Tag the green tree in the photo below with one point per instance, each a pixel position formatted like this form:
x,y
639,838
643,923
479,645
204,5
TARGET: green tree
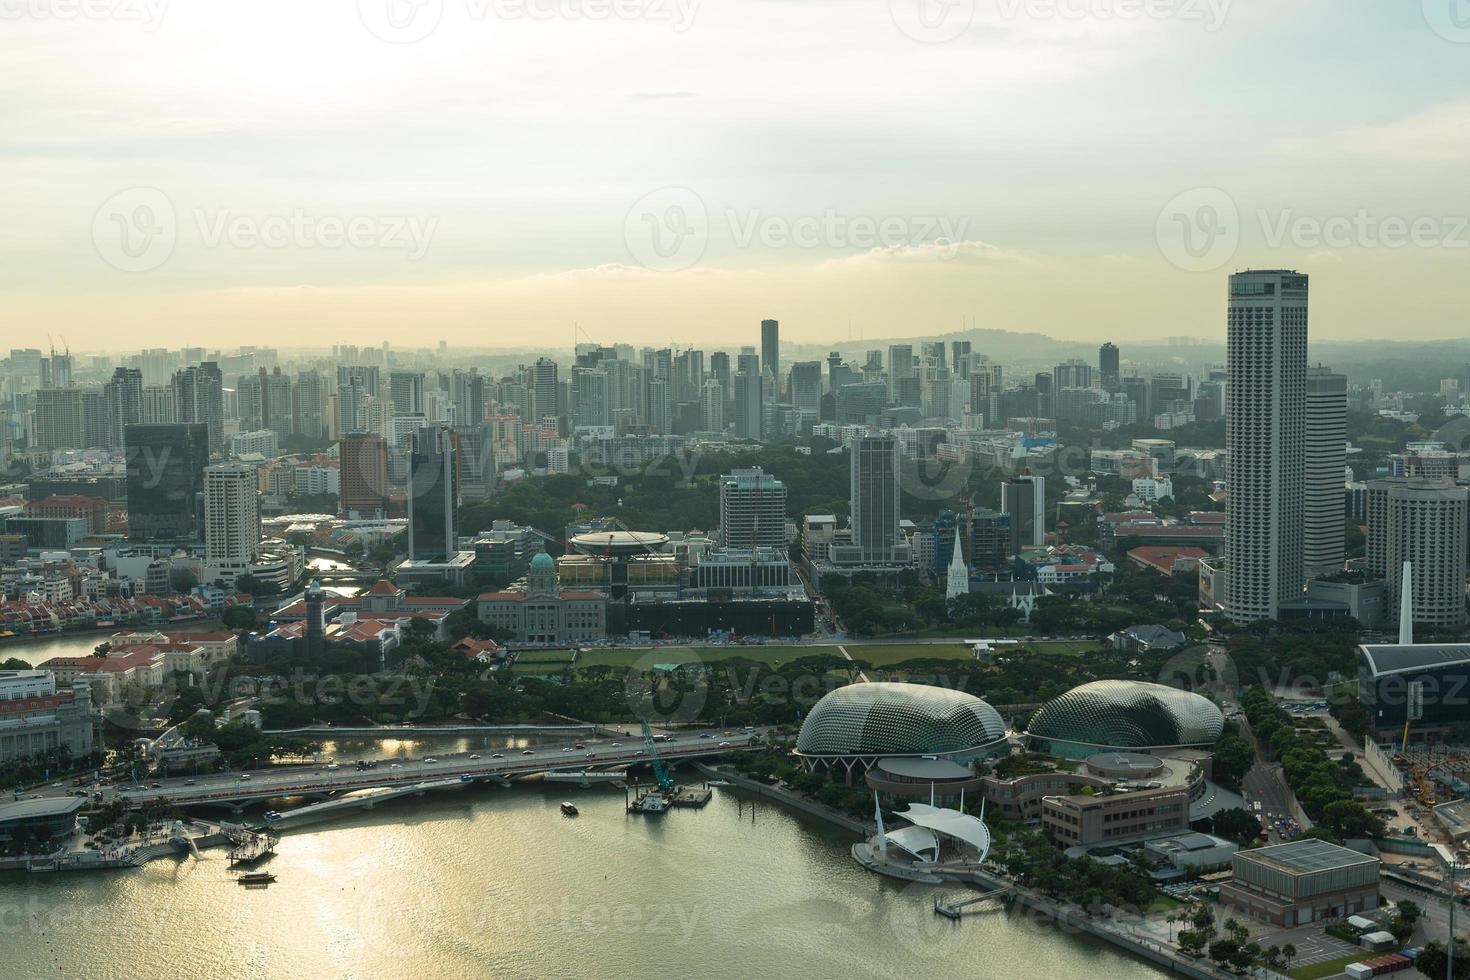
x,y
1238,825
239,617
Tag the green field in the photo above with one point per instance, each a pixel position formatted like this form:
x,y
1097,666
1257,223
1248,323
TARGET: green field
x,y
888,654
770,654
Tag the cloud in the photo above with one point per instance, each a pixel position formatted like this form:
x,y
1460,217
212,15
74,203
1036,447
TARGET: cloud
x,y
1437,135
965,251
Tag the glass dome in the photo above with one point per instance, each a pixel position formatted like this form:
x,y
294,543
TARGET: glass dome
x,y
1123,715
899,719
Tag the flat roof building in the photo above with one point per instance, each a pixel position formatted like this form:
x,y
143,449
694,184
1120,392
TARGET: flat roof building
x,y
1300,882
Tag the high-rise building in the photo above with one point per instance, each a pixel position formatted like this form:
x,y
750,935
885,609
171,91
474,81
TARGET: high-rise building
x,y
363,458
58,420
771,348
165,481
124,398
231,521
749,419
1324,515
199,398
712,406
433,495
1423,522
407,391
900,368
1107,365
1265,438
806,385
308,409
1074,373
544,391
158,406
1023,498
875,497
752,510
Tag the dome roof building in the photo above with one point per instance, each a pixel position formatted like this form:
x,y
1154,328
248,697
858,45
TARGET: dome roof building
x,y
1123,715
861,723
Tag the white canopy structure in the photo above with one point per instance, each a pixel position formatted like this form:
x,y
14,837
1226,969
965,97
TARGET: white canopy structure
x,y
949,823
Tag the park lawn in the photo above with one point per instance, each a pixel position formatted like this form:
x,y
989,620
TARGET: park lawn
x,y
770,653
1164,903
1331,968
888,654
1066,648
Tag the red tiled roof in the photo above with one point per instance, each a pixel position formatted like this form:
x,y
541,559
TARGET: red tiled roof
x,y
21,706
383,587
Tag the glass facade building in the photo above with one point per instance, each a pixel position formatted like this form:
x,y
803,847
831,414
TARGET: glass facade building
x,y
165,465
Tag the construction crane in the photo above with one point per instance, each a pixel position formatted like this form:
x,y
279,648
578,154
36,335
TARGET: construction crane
x,y
660,768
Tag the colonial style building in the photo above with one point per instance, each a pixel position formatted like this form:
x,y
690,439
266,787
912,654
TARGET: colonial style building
x,y
540,612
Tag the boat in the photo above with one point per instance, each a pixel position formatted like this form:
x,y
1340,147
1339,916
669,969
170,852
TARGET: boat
x,y
650,803
568,810
256,878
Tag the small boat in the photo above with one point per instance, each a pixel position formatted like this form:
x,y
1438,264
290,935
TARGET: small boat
x,y
568,810
271,816
256,878
466,778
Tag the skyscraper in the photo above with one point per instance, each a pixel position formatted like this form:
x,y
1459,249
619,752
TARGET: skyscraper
x,y
165,466
874,497
231,521
1024,499
1423,522
544,400
712,406
407,391
433,495
752,510
900,367
199,398
806,385
307,408
1107,365
1265,440
124,398
363,458
748,409
771,348
1326,439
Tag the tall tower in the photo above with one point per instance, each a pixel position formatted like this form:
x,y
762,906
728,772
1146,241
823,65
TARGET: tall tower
x,y
231,520
433,495
1107,365
1420,522
752,510
1325,514
1265,438
771,348
1024,499
874,502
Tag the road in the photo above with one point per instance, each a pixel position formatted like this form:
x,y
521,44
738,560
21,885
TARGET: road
x,y
266,783
1265,783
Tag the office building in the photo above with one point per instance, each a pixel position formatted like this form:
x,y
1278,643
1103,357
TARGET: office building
x,y
1326,440
806,385
749,416
199,398
231,521
165,481
1265,442
363,458
875,497
124,404
771,349
712,406
406,388
1107,365
752,510
1024,499
433,496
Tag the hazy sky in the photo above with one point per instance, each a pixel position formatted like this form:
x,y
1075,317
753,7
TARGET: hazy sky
x,y
494,171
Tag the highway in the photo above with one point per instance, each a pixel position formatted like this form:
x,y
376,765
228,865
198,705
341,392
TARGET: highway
x,y
236,787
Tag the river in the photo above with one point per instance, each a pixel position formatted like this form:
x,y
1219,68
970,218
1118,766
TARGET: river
x,y
496,883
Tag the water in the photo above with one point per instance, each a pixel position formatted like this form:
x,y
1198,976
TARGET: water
x,y
496,883
35,652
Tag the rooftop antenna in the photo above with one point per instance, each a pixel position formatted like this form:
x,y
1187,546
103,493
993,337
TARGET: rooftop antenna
x,y
1406,606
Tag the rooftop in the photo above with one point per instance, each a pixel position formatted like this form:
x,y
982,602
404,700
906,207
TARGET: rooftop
x,y
40,809
1306,856
1386,658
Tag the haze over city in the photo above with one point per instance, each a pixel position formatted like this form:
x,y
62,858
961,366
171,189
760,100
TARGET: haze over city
x,y
862,170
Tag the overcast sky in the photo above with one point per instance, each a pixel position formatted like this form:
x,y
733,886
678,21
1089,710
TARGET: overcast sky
x,y
497,171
